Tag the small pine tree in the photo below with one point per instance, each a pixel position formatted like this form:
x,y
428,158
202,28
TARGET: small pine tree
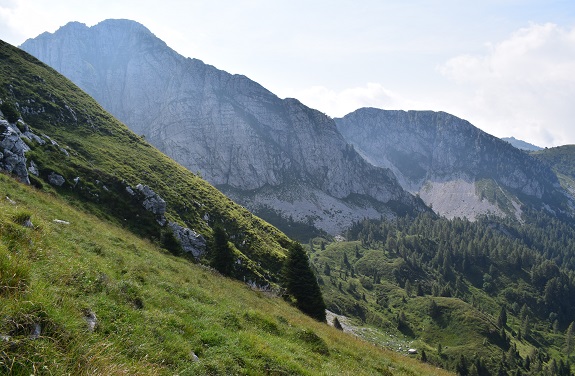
x,y
301,283
569,339
423,356
222,257
502,319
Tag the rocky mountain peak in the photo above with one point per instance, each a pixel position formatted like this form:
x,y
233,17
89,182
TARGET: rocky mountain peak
x,y
266,153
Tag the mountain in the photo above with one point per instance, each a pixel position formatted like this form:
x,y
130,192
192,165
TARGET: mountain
x,y
562,160
60,140
520,144
89,284
279,158
453,166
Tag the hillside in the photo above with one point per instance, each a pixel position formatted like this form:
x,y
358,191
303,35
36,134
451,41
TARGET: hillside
x,y
441,286
453,166
562,160
83,296
79,151
277,157
92,278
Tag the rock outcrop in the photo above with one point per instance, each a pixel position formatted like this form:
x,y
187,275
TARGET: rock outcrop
x,y
191,241
454,166
239,136
12,151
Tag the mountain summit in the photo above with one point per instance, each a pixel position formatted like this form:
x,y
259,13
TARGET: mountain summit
x,y
276,156
455,167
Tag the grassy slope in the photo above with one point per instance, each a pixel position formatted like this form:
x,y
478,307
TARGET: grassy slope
x,y
459,327
561,159
154,310
107,156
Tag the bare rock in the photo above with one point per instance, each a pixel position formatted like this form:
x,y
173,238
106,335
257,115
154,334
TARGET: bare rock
x,y
55,179
191,241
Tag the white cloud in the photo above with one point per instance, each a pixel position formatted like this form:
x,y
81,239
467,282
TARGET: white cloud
x,y
523,86
340,103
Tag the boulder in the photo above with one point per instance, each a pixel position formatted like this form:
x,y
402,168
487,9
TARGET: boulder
x,y
55,179
153,202
191,241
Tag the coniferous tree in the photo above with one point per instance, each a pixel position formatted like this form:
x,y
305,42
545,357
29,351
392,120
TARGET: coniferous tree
x,y
569,339
337,324
301,283
502,319
222,258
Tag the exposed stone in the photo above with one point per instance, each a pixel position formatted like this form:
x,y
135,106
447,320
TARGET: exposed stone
x,y
91,319
130,191
55,179
153,202
12,152
191,241
36,331
61,222
33,169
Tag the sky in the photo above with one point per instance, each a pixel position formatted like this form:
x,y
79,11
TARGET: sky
x,y
506,66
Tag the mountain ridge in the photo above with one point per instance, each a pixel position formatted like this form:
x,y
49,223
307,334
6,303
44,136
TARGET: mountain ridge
x,y
232,130
454,167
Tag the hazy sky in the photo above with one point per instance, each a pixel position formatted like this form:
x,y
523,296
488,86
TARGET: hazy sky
x,y
507,66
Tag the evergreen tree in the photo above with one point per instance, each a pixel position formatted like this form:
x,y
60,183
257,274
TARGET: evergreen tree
x,y
569,339
301,283
337,324
222,257
502,319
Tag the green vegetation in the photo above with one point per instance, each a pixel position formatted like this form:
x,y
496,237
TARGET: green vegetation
x,y
301,283
99,158
493,295
156,314
562,161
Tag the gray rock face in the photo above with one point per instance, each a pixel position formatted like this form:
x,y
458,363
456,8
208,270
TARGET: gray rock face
x,y
238,135
12,152
55,179
191,241
153,202
439,155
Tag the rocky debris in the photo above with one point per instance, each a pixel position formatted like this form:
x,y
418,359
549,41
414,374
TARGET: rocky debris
x,y
28,223
12,152
412,351
36,331
153,203
5,338
130,191
191,241
32,137
61,222
10,201
194,357
33,169
55,179
91,319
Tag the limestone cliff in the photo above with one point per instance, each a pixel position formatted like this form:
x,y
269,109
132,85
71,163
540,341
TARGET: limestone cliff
x,y
266,152
455,167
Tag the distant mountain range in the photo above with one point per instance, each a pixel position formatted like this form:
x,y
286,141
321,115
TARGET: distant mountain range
x,y
282,160
289,164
